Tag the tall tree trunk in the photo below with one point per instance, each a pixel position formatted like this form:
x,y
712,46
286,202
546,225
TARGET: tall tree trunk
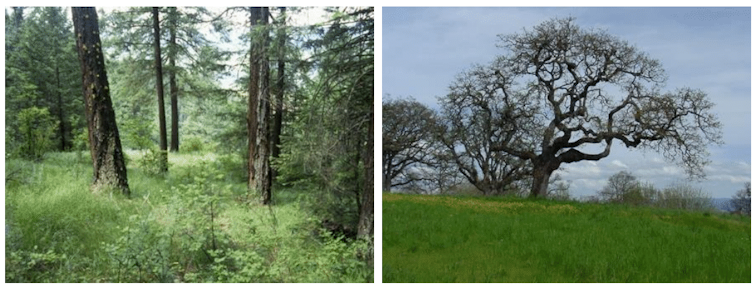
x,y
104,140
366,214
160,91
172,26
255,15
262,163
278,118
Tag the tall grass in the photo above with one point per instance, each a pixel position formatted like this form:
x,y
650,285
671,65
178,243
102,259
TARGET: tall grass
x,y
464,239
193,224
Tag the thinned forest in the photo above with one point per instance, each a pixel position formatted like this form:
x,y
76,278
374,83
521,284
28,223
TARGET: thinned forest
x,y
188,144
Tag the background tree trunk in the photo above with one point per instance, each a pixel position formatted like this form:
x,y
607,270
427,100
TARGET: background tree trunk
x,y
366,215
104,140
251,117
172,14
278,118
262,159
160,91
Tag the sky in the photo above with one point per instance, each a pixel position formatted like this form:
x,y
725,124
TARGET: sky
x,y
423,49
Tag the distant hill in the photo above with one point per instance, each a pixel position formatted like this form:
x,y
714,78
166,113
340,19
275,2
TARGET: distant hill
x,y
723,204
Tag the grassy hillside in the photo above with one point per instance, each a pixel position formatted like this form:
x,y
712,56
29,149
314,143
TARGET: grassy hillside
x,y
196,224
471,239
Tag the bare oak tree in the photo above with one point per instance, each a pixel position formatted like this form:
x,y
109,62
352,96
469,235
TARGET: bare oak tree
x,y
406,141
104,140
474,121
567,94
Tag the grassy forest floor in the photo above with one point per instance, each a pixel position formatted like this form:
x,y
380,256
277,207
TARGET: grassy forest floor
x,y
472,239
195,224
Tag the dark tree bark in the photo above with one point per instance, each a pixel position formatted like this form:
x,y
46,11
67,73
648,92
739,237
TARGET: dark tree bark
x,y
172,26
160,90
104,140
278,118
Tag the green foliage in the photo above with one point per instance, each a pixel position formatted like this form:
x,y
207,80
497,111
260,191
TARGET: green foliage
x,y
138,133
42,71
36,128
469,239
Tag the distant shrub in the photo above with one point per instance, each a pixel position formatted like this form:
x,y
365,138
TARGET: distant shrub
x,y
742,201
683,197
625,188
36,127
619,187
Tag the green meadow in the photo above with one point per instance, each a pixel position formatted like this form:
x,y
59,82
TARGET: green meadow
x,y
473,239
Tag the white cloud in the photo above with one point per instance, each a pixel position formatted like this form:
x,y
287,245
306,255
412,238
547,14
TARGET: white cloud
x,y
730,178
619,164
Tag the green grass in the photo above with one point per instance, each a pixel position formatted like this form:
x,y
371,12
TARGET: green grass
x,y
195,224
471,239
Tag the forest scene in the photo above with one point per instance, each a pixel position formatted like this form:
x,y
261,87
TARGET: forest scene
x,y
565,152
189,144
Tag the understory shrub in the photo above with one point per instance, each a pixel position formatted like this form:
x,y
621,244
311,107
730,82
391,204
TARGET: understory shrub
x,y
35,130
192,144
34,266
153,162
